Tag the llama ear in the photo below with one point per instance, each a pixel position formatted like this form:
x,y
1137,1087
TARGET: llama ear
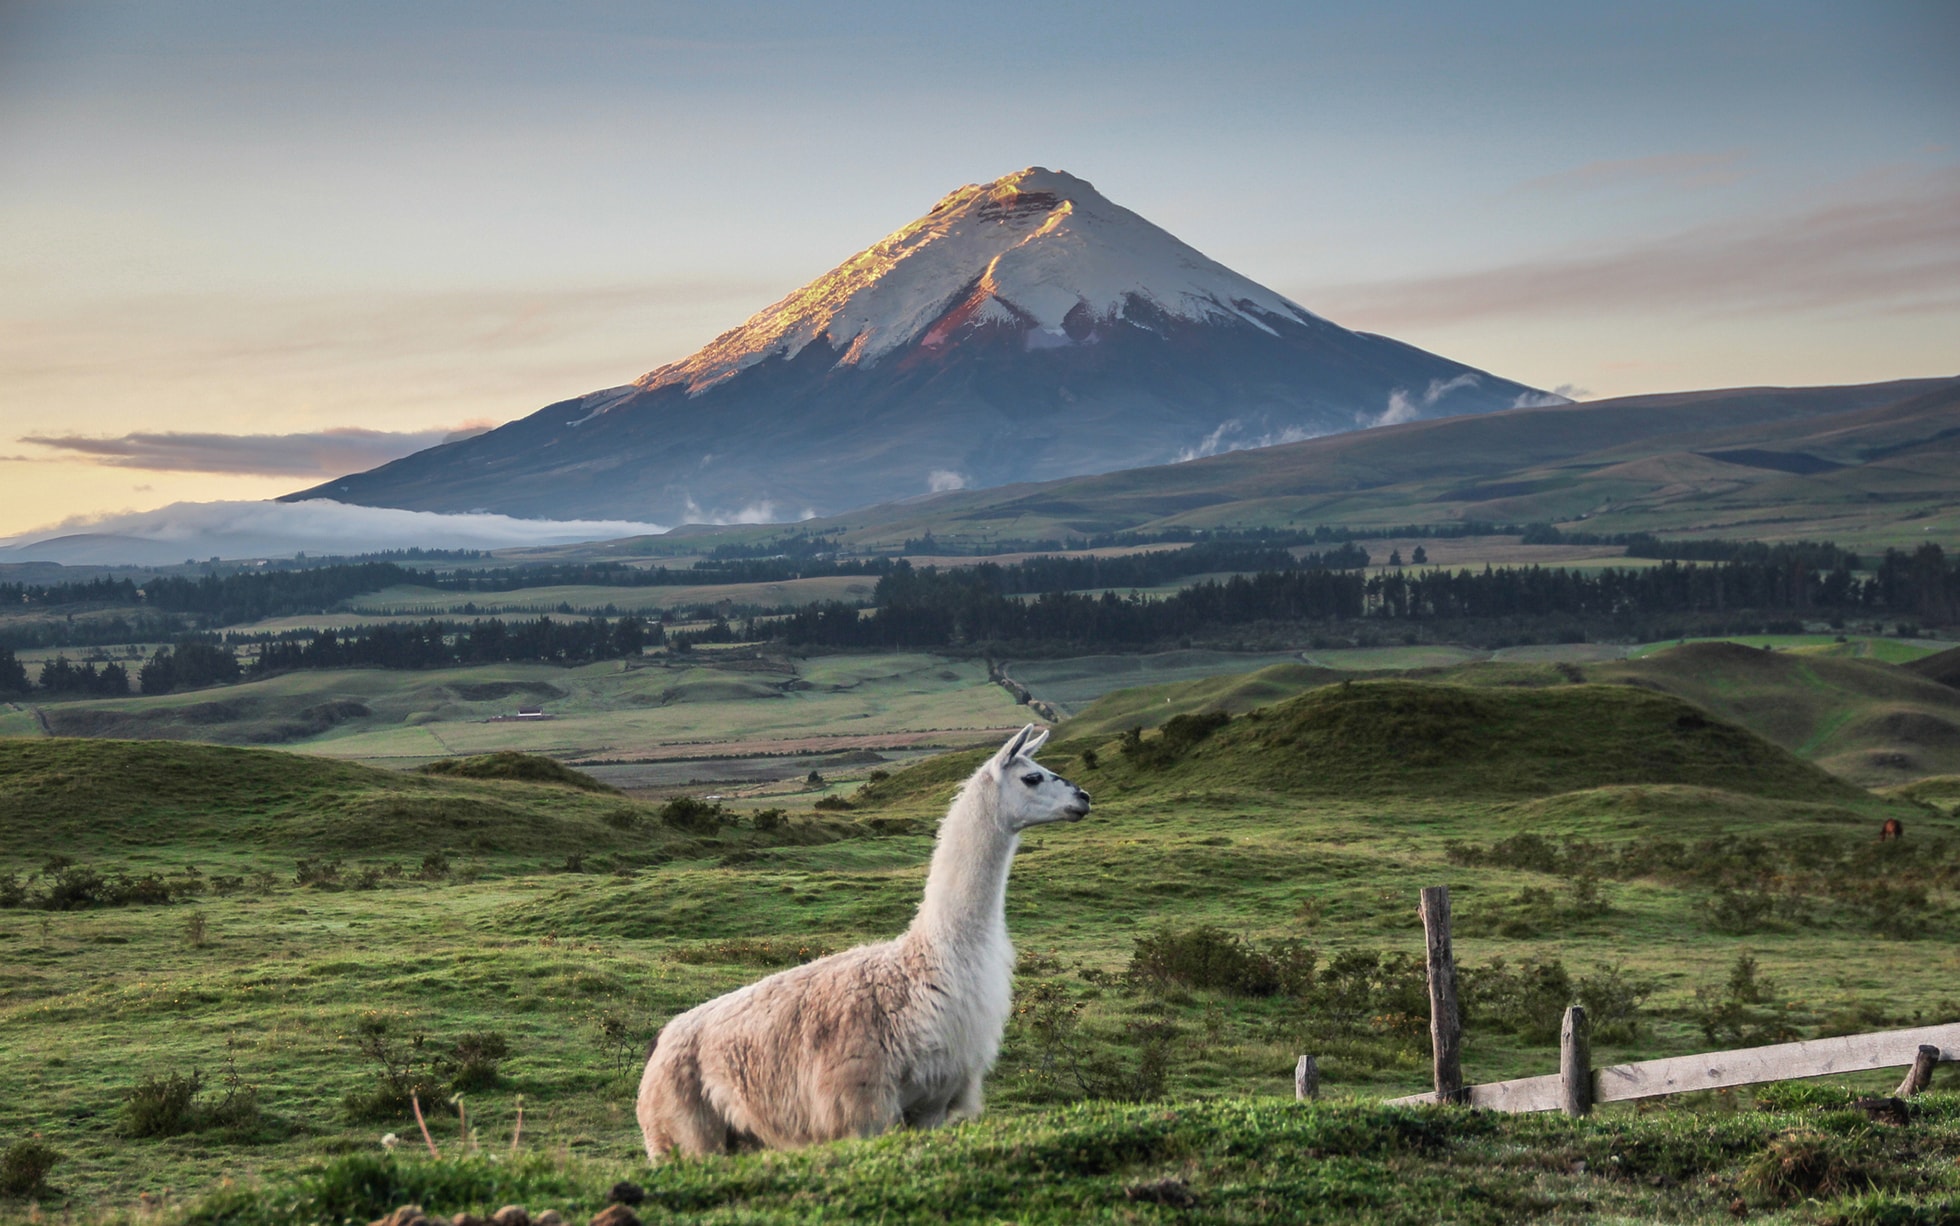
x,y
1016,745
1035,742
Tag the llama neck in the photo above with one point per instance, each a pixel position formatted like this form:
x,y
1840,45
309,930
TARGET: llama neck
x,y
966,891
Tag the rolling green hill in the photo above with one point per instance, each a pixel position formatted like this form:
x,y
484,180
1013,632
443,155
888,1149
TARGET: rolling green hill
x,y
122,797
1864,720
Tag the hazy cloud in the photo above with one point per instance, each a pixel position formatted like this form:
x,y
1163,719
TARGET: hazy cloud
x,y
1404,407
1231,436
280,529
1899,253
940,480
1676,169
323,453
761,511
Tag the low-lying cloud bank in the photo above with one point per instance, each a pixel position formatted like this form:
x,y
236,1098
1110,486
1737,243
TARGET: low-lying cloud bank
x,y
320,453
281,529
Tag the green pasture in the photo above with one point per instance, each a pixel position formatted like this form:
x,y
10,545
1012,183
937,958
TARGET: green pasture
x,y
571,923
612,709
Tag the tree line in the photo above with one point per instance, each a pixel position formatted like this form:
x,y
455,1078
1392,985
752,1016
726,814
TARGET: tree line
x,y
445,644
928,607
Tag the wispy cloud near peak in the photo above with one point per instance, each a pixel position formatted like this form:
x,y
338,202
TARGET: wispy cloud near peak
x,y
321,453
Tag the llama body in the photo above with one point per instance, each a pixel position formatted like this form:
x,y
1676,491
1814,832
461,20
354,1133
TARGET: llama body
x,y
898,1033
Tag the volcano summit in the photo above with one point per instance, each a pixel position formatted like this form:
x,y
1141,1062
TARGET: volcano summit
x,y
1022,330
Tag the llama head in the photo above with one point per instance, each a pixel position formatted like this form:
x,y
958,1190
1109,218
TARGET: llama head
x,y
1031,794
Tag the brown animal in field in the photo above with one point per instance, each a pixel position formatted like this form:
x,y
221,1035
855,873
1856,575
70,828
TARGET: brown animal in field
x,y
1893,829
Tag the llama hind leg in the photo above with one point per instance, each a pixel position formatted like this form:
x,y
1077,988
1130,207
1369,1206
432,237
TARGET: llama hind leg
x,y
675,1116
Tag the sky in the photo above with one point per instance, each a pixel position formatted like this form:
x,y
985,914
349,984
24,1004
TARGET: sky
x,y
245,247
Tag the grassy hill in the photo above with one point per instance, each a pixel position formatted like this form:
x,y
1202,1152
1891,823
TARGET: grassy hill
x,y
1396,737
1863,719
124,797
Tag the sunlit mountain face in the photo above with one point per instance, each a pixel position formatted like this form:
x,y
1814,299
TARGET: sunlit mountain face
x,y
1021,330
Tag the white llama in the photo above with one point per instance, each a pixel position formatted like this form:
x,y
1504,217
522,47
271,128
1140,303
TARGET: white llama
x,y
900,1032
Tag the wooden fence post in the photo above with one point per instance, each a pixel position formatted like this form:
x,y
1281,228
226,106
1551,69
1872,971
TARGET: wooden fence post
x,y
1575,1063
1445,1022
1921,1074
1306,1079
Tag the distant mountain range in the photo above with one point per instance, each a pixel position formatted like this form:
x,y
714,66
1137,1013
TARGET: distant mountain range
x,y
1023,330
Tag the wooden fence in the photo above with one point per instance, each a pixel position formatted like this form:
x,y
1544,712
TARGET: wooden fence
x,y
1577,1085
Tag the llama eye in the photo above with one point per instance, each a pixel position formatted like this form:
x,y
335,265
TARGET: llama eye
x,y
1033,781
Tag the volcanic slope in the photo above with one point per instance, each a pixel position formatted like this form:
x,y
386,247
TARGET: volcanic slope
x,y
1023,330
1870,464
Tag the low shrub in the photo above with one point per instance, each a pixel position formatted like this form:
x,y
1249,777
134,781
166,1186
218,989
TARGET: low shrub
x,y
1209,958
691,814
1179,735
24,1167
475,1059
161,1106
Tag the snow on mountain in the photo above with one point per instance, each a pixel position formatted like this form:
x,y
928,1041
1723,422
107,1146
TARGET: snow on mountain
x,y
1039,249
1022,330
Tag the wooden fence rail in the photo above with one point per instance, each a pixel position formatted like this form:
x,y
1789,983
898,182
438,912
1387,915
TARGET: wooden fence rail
x,y
1577,1085
1716,1070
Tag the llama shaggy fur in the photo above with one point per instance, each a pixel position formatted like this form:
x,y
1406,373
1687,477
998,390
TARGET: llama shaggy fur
x,y
900,1032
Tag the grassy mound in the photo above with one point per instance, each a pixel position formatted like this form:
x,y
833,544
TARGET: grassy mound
x,y
1864,720
516,767
1940,791
1148,706
112,796
1411,738
1644,810
1943,667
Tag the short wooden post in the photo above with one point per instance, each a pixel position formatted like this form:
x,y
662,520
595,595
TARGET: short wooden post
x,y
1445,1023
1306,1079
1575,1063
1921,1074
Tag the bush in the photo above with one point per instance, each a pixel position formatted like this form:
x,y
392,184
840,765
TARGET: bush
x,y
161,1106
24,1167
407,1068
833,804
476,1056
1179,735
688,813
1744,1012
1211,958
769,819
320,874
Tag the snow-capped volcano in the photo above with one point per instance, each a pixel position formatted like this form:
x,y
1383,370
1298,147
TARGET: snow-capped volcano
x,y
1041,251
1023,329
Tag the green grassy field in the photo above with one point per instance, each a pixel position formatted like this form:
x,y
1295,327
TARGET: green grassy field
x,y
1843,705
1669,843
732,703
